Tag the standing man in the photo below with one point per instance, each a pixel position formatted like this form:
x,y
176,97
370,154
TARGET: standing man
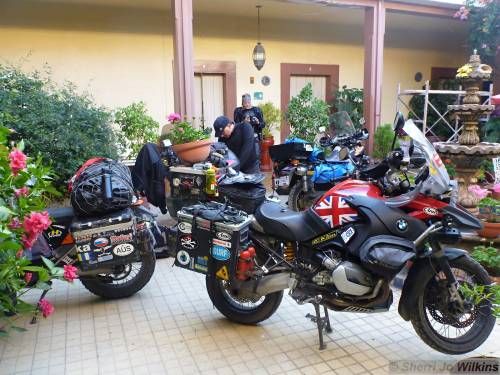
x,y
240,139
250,114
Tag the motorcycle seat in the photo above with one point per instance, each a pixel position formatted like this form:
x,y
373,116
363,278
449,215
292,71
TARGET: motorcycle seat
x,y
62,216
281,222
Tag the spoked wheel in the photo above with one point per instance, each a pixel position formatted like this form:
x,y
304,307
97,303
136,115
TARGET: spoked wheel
x,y
241,309
299,200
124,281
449,326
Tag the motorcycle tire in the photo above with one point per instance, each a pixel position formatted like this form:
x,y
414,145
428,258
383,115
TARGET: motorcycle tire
x,y
231,309
298,199
102,287
482,324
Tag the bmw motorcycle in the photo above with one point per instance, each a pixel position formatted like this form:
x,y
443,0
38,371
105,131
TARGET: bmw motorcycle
x,y
342,253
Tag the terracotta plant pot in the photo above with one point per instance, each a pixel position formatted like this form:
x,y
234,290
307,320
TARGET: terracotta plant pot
x,y
490,230
266,164
193,152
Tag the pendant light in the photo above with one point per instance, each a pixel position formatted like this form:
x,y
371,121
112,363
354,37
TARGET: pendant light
x,y
259,53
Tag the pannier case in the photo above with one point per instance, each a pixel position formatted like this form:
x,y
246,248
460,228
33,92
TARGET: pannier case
x,y
292,150
204,245
108,240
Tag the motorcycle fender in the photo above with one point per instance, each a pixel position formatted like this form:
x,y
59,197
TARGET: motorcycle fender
x,y
420,272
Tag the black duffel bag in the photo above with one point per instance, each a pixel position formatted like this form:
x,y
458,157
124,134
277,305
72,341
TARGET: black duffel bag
x,y
245,197
102,187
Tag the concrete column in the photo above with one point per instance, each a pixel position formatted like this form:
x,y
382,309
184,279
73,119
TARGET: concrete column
x,y
182,11
374,58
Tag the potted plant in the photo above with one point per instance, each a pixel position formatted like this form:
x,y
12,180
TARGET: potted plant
x,y
189,143
272,117
489,212
489,258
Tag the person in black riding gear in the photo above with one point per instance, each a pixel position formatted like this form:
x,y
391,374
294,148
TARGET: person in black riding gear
x,y
250,114
240,139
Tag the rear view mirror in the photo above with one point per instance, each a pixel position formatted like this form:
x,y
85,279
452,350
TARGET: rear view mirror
x,y
399,122
343,153
365,133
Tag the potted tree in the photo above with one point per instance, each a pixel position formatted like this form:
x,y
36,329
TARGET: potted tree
x,y
189,143
489,212
272,117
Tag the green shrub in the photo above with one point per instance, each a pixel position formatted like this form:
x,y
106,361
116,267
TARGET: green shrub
x,y
489,257
137,127
272,118
382,140
350,101
306,114
64,127
492,130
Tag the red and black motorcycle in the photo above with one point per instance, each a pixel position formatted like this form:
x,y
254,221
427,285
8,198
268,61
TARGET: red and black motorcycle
x,y
344,251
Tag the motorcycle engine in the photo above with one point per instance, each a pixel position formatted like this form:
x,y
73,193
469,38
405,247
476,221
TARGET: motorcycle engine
x,y
348,277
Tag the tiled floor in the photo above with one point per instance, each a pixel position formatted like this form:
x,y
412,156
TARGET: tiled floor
x,y
171,327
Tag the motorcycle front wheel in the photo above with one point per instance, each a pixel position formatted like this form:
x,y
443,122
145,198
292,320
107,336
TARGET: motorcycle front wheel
x,y
124,281
238,309
444,327
299,200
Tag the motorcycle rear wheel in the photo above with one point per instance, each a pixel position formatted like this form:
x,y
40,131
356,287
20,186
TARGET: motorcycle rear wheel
x,y
239,310
110,286
427,315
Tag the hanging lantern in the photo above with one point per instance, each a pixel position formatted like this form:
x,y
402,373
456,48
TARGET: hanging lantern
x,y
259,53
259,56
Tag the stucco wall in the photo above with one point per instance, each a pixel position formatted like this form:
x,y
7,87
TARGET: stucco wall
x,y
122,55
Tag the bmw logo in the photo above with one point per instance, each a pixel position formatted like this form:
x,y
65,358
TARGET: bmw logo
x,y
402,224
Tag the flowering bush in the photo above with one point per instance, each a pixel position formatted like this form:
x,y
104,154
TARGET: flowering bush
x,y
24,187
184,132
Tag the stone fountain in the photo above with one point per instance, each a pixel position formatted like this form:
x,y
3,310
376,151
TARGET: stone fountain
x,y
468,154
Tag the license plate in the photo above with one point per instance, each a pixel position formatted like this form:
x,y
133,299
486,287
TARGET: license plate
x,y
282,181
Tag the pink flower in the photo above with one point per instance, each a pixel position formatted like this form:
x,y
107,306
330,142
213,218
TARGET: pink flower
x,y
478,191
24,191
28,240
70,272
36,223
15,223
496,188
19,253
45,307
27,277
462,13
173,117
17,161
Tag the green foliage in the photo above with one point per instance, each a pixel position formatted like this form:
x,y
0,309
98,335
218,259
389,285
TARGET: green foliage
x,y
489,257
185,132
137,127
272,118
492,130
306,114
441,103
483,21
492,202
479,293
64,127
350,101
35,181
382,140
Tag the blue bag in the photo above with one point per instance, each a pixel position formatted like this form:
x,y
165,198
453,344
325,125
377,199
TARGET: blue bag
x,y
327,172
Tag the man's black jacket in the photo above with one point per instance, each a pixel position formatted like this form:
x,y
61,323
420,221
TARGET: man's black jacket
x,y
148,175
242,143
240,113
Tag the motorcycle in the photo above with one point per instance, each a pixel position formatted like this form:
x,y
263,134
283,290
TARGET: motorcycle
x,y
306,180
342,253
112,252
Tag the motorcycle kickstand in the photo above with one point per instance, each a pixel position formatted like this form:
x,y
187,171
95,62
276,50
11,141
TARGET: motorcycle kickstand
x,y
321,322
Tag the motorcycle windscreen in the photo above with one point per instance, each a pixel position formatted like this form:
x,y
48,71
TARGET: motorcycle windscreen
x,y
438,181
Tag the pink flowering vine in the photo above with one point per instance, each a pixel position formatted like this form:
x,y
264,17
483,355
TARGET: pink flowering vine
x,y
173,117
70,272
34,224
22,192
478,191
45,307
17,161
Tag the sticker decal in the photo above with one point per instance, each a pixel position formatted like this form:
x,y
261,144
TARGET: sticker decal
x,y
223,273
223,236
55,233
120,238
188,242
184,227
183,257
123,250
347,235
221,243
431,211
220,252
325,237
101,242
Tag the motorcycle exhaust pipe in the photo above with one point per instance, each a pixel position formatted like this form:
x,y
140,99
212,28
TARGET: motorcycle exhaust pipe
x,y
267,285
